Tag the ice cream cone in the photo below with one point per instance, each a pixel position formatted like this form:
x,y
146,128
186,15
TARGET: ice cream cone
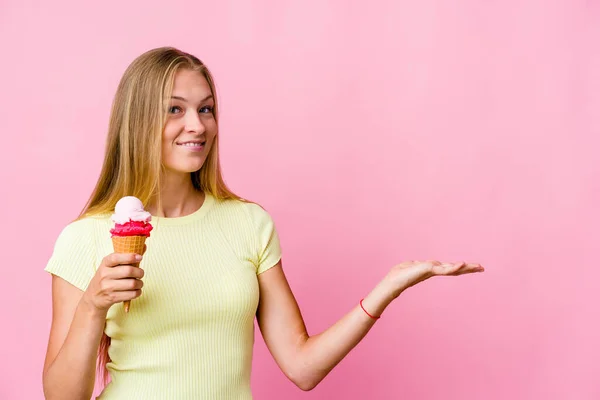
x,y
129,244
132,227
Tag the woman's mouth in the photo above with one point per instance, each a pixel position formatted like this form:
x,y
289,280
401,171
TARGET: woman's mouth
x,y
193,145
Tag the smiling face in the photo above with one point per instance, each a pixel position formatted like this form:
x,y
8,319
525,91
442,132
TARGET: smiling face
x,y
191,127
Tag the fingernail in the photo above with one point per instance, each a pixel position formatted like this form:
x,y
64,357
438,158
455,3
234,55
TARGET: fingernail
x,y
138,257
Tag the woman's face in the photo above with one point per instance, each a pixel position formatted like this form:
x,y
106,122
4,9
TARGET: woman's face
x,y
191,127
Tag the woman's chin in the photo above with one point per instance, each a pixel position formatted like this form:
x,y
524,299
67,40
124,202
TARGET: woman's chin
x,y
184,169
191,170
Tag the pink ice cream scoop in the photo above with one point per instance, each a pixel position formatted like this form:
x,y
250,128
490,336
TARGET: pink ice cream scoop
x,y
130,218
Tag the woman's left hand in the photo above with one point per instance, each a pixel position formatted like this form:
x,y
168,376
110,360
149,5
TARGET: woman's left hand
x,y
409,273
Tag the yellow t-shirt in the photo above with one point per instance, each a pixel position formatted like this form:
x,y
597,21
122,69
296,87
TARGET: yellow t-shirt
x,y
191,333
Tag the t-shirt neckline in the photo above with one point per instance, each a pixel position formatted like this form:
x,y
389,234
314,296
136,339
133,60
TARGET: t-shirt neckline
x,y
195,216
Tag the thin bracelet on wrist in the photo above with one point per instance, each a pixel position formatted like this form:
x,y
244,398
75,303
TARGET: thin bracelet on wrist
x,y
366,312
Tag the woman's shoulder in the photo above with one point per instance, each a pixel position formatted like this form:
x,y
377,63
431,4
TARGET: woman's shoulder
x,y
74,257
83,227
253,226
246,209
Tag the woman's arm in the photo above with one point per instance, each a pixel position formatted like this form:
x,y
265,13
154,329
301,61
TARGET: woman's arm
x,y
78,320
307,360
70,365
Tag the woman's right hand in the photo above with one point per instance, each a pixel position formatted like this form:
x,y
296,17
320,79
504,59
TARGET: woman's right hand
x,y
115,281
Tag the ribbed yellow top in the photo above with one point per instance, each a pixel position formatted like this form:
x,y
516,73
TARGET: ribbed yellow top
x,y
191,333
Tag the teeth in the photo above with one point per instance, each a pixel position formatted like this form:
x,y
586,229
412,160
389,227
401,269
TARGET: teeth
x,y
191,144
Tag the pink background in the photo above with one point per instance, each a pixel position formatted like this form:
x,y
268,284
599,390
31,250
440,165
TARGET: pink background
x,y
373,134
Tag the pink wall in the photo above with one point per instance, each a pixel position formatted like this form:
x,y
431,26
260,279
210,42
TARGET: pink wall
x,y
436,129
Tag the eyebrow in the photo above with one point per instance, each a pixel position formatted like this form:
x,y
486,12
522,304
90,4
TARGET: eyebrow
x,y
210,96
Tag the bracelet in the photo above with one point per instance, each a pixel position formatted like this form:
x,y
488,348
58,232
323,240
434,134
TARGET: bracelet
x,y
372,316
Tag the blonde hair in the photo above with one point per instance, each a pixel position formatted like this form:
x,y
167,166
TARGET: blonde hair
x,y
132,162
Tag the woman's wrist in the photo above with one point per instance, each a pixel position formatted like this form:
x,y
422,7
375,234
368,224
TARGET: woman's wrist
x,y
88,308
378,299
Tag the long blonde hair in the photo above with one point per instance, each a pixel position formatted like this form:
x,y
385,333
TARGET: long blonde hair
x,y
132,162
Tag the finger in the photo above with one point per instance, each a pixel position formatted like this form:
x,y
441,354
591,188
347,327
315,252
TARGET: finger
x,y
126,295
474,267
452,264
452,268
468,269
434,262
124,285
114,259
126,271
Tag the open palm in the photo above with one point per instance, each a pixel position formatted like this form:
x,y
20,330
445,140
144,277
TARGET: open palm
x,y
409,273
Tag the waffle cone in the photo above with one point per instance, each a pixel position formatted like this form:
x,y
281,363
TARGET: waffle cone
x,y
129,244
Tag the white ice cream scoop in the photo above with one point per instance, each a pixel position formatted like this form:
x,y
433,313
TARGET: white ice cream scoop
x,y
130,208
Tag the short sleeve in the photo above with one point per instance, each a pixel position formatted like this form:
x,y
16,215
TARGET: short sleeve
x,y
74,256
268,251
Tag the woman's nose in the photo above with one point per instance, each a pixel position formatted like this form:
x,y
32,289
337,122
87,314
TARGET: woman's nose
x,y
193,123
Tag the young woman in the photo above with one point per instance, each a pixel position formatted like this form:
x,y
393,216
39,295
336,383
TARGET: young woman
x,y
213,263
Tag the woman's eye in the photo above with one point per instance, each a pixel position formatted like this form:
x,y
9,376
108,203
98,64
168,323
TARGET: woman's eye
x,y
206,110
174,110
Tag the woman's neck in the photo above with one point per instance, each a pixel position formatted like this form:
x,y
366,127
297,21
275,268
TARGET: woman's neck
x,y
178,198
